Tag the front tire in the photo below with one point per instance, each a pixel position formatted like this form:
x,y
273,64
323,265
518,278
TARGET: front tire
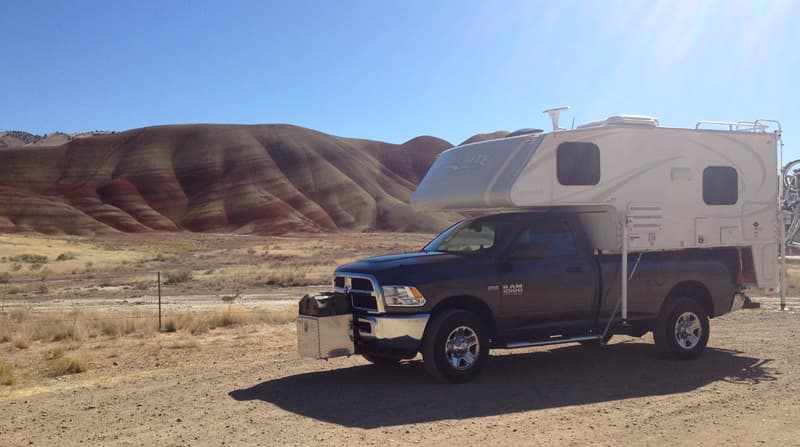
x,y
682,329
456,346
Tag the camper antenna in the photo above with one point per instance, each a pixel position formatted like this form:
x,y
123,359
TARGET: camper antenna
x,y
554,114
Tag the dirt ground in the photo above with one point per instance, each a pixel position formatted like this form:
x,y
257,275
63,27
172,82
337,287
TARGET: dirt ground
x,y
248,387
244,384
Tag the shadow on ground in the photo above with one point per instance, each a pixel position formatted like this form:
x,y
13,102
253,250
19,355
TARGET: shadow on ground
x,y
372,396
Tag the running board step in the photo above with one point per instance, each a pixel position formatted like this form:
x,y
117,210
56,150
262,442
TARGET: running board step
x,y
553,341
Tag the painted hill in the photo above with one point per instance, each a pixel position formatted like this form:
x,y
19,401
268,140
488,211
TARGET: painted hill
x,y
264,179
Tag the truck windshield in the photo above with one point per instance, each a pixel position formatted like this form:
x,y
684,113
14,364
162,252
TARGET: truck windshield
x,y
468,237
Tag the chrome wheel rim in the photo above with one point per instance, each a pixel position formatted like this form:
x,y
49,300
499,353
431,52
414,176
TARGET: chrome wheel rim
x,y
688,330
462,348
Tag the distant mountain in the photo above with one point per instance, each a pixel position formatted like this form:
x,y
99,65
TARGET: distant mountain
x,y
264,179
18,138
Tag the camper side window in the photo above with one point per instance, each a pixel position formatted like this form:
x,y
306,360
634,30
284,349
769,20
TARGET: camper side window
x,y
578,163
720,185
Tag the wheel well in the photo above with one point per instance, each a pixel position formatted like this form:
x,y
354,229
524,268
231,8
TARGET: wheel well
x,y
472,304
696,291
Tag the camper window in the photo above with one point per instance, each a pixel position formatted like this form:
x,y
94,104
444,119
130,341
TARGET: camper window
x,y
578,163
720,185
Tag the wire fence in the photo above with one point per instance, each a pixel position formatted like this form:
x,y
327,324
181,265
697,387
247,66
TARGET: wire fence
x,y
38,313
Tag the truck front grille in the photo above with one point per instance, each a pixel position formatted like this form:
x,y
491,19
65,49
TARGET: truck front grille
x,y
362,290
362,301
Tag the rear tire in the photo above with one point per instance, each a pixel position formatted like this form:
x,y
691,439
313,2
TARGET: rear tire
x,y
455,346
682,329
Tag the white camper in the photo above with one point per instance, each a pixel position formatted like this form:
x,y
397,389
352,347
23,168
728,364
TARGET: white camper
x,y
638,186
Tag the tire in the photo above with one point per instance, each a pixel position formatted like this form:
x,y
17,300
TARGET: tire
x,y
682,329
455,346
381,360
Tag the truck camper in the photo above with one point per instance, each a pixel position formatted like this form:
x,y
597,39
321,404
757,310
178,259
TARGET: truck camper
x,y
617,226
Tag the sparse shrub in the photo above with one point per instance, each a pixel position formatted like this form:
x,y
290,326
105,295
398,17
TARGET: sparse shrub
x,y
55,353
225,319
198,326
61,330
105,283
22,343
178,276
6,377
170,325
159,258
18,315
89,265
287,279
251,251
68,256
5,277
16,267
29,259
65,365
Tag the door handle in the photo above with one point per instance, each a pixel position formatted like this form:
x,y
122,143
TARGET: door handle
x,y
574,269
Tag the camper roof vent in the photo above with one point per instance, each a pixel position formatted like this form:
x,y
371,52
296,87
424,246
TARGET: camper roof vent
x,y
524,131
623,120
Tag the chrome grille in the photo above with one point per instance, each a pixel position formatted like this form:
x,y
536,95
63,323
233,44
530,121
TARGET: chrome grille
x,y
362,290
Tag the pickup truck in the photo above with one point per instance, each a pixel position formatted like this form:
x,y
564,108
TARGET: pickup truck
x,y
525,279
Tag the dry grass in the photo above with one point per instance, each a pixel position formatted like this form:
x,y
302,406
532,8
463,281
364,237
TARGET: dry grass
x,y
91,304
22,327
178,276
64,365
6,376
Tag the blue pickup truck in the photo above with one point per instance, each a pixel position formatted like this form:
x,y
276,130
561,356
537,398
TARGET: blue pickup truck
x,y
525,279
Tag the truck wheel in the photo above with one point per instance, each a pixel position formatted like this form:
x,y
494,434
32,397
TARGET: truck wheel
x,y
455,346
381,360
682,329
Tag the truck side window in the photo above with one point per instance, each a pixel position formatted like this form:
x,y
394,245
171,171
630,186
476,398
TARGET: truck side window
x,y
578,163
544,239
471,238
720,185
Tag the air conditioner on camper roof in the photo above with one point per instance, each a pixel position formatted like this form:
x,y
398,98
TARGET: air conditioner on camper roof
x,y
623,120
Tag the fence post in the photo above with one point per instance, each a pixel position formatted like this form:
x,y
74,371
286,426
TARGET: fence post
x,y
159,301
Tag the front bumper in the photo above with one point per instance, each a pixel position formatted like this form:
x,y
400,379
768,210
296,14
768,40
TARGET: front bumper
x,y
391,334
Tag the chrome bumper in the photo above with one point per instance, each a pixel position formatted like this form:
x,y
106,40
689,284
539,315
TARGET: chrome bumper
x,y
396,332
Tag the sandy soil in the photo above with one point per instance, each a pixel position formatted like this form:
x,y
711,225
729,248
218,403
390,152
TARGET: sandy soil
x,y
248,387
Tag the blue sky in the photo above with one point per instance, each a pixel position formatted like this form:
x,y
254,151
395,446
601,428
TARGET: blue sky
x,y
392,70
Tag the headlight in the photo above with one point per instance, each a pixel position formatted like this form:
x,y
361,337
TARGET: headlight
x,y
402,296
